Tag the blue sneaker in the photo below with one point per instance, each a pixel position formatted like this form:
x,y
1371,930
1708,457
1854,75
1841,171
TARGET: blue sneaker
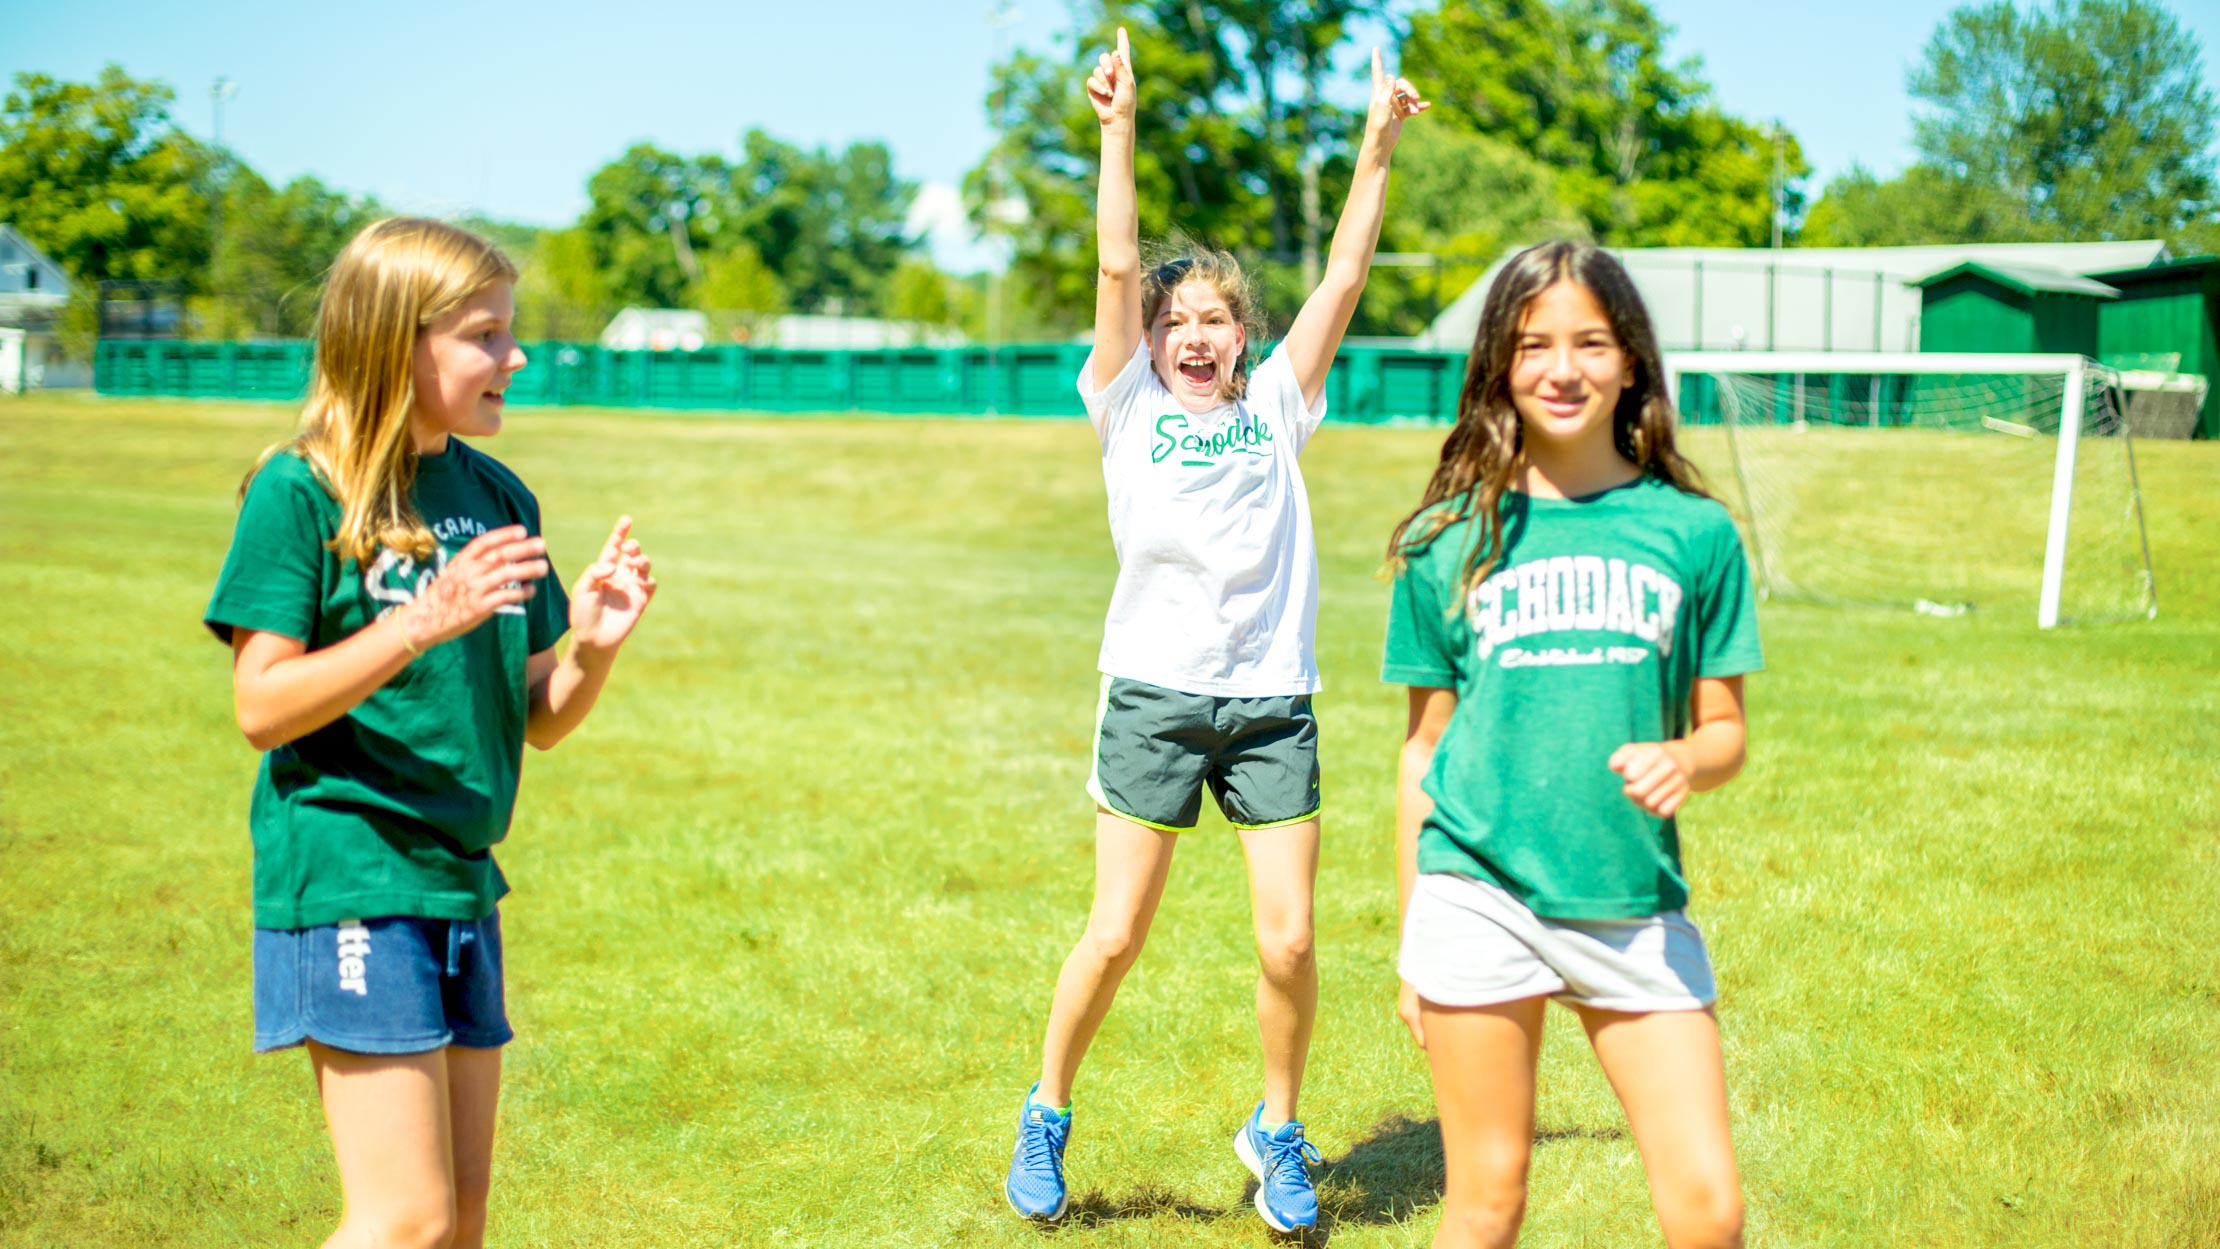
x,y
1035,1188
1284,1194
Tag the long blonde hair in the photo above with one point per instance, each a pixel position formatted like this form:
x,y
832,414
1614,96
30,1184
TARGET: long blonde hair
x,y
1480,458
391,282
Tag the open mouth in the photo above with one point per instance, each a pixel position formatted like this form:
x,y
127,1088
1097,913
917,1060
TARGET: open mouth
x,y
1200,374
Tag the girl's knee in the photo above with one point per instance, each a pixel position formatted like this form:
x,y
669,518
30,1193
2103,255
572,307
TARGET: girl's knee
x,y
1113,945
1483,1217
1287,954
1703,1216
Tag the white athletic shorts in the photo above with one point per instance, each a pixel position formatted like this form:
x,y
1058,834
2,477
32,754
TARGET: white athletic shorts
x,y
1468,942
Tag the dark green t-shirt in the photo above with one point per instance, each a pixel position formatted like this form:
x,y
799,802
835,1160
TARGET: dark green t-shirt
x,y
393,808
1589,634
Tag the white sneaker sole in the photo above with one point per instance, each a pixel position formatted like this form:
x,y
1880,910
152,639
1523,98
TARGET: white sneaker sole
x,y
1247,1152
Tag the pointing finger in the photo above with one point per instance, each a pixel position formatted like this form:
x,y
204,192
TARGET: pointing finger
x,y
1379,76
1125,51
615,543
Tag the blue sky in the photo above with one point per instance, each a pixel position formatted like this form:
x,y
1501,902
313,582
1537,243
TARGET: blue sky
x,y
506,108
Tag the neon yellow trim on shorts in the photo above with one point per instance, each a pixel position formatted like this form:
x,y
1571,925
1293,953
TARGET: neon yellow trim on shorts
x,y
1135,819
1315,812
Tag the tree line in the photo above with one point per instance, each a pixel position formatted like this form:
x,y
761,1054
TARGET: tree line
x,y
2053,120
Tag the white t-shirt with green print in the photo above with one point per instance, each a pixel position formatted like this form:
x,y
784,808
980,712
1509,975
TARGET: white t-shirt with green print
x,y
1217,570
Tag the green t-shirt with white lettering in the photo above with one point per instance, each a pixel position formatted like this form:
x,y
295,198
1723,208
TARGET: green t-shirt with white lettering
x,y
1589,634
392,809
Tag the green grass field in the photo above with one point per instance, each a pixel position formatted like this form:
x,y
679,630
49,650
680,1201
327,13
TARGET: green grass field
x,y
788,909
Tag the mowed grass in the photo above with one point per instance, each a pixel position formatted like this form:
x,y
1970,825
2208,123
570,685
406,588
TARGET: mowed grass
x,y
788,909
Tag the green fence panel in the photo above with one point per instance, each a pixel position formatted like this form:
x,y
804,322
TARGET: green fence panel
x,y
1367,384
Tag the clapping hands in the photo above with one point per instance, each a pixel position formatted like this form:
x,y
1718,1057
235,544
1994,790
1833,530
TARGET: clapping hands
x,y
610,596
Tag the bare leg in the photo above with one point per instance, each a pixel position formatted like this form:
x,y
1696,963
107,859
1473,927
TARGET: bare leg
x,y
389,1120
1483,1061
1131,863
473,1095
1667,1070
1283,874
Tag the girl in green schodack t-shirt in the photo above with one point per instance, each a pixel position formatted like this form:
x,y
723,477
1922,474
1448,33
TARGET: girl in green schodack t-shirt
x,y
393,623
1573,616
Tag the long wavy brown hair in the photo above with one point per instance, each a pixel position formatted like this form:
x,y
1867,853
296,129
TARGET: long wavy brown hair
x,y
1482,455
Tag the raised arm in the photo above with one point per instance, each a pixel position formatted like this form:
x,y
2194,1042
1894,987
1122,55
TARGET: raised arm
x,y
1316,335
1117,217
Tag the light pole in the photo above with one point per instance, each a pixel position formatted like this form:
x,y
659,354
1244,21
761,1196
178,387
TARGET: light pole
x,y
1000,17
219,91
1780,179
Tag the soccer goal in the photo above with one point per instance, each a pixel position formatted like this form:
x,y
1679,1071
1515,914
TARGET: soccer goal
x,y
1939,482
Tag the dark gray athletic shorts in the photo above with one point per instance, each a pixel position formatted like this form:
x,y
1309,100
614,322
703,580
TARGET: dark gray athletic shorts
x,y
1155,750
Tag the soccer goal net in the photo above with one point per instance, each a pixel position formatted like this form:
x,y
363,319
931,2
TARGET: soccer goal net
x,y
1939,482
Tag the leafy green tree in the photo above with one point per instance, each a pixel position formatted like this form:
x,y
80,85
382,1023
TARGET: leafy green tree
x,y
1232,104
515,239
562,294
1640,151
920,294
2076,119
1465,199
277,244
649,213
1923,205
830,223
97,176
2091,116
739,292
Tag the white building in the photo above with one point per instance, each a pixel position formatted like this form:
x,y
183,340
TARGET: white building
x,y
33,292
656,329
680,329
1799,298
826,333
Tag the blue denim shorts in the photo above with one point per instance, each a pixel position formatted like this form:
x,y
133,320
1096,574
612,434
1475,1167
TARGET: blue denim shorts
x,y
398,985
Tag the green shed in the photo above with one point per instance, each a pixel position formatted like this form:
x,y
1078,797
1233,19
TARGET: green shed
x,y
2167,317
1973,306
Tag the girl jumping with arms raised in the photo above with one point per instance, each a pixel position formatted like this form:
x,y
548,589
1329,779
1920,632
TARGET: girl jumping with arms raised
x,y
1573,617
1207,652
392,619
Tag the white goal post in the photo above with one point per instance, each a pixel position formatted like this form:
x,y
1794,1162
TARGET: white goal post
x,y
2059,403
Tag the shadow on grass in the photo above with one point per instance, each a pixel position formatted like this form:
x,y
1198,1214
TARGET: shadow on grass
x,y
1397,1169
1147,1201
1393,1172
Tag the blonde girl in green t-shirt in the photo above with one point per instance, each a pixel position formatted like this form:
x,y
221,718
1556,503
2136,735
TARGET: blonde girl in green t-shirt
x,y
1573,618
392,618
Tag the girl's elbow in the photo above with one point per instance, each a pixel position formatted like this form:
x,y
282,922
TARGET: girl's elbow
x,y
1345,277
263,737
